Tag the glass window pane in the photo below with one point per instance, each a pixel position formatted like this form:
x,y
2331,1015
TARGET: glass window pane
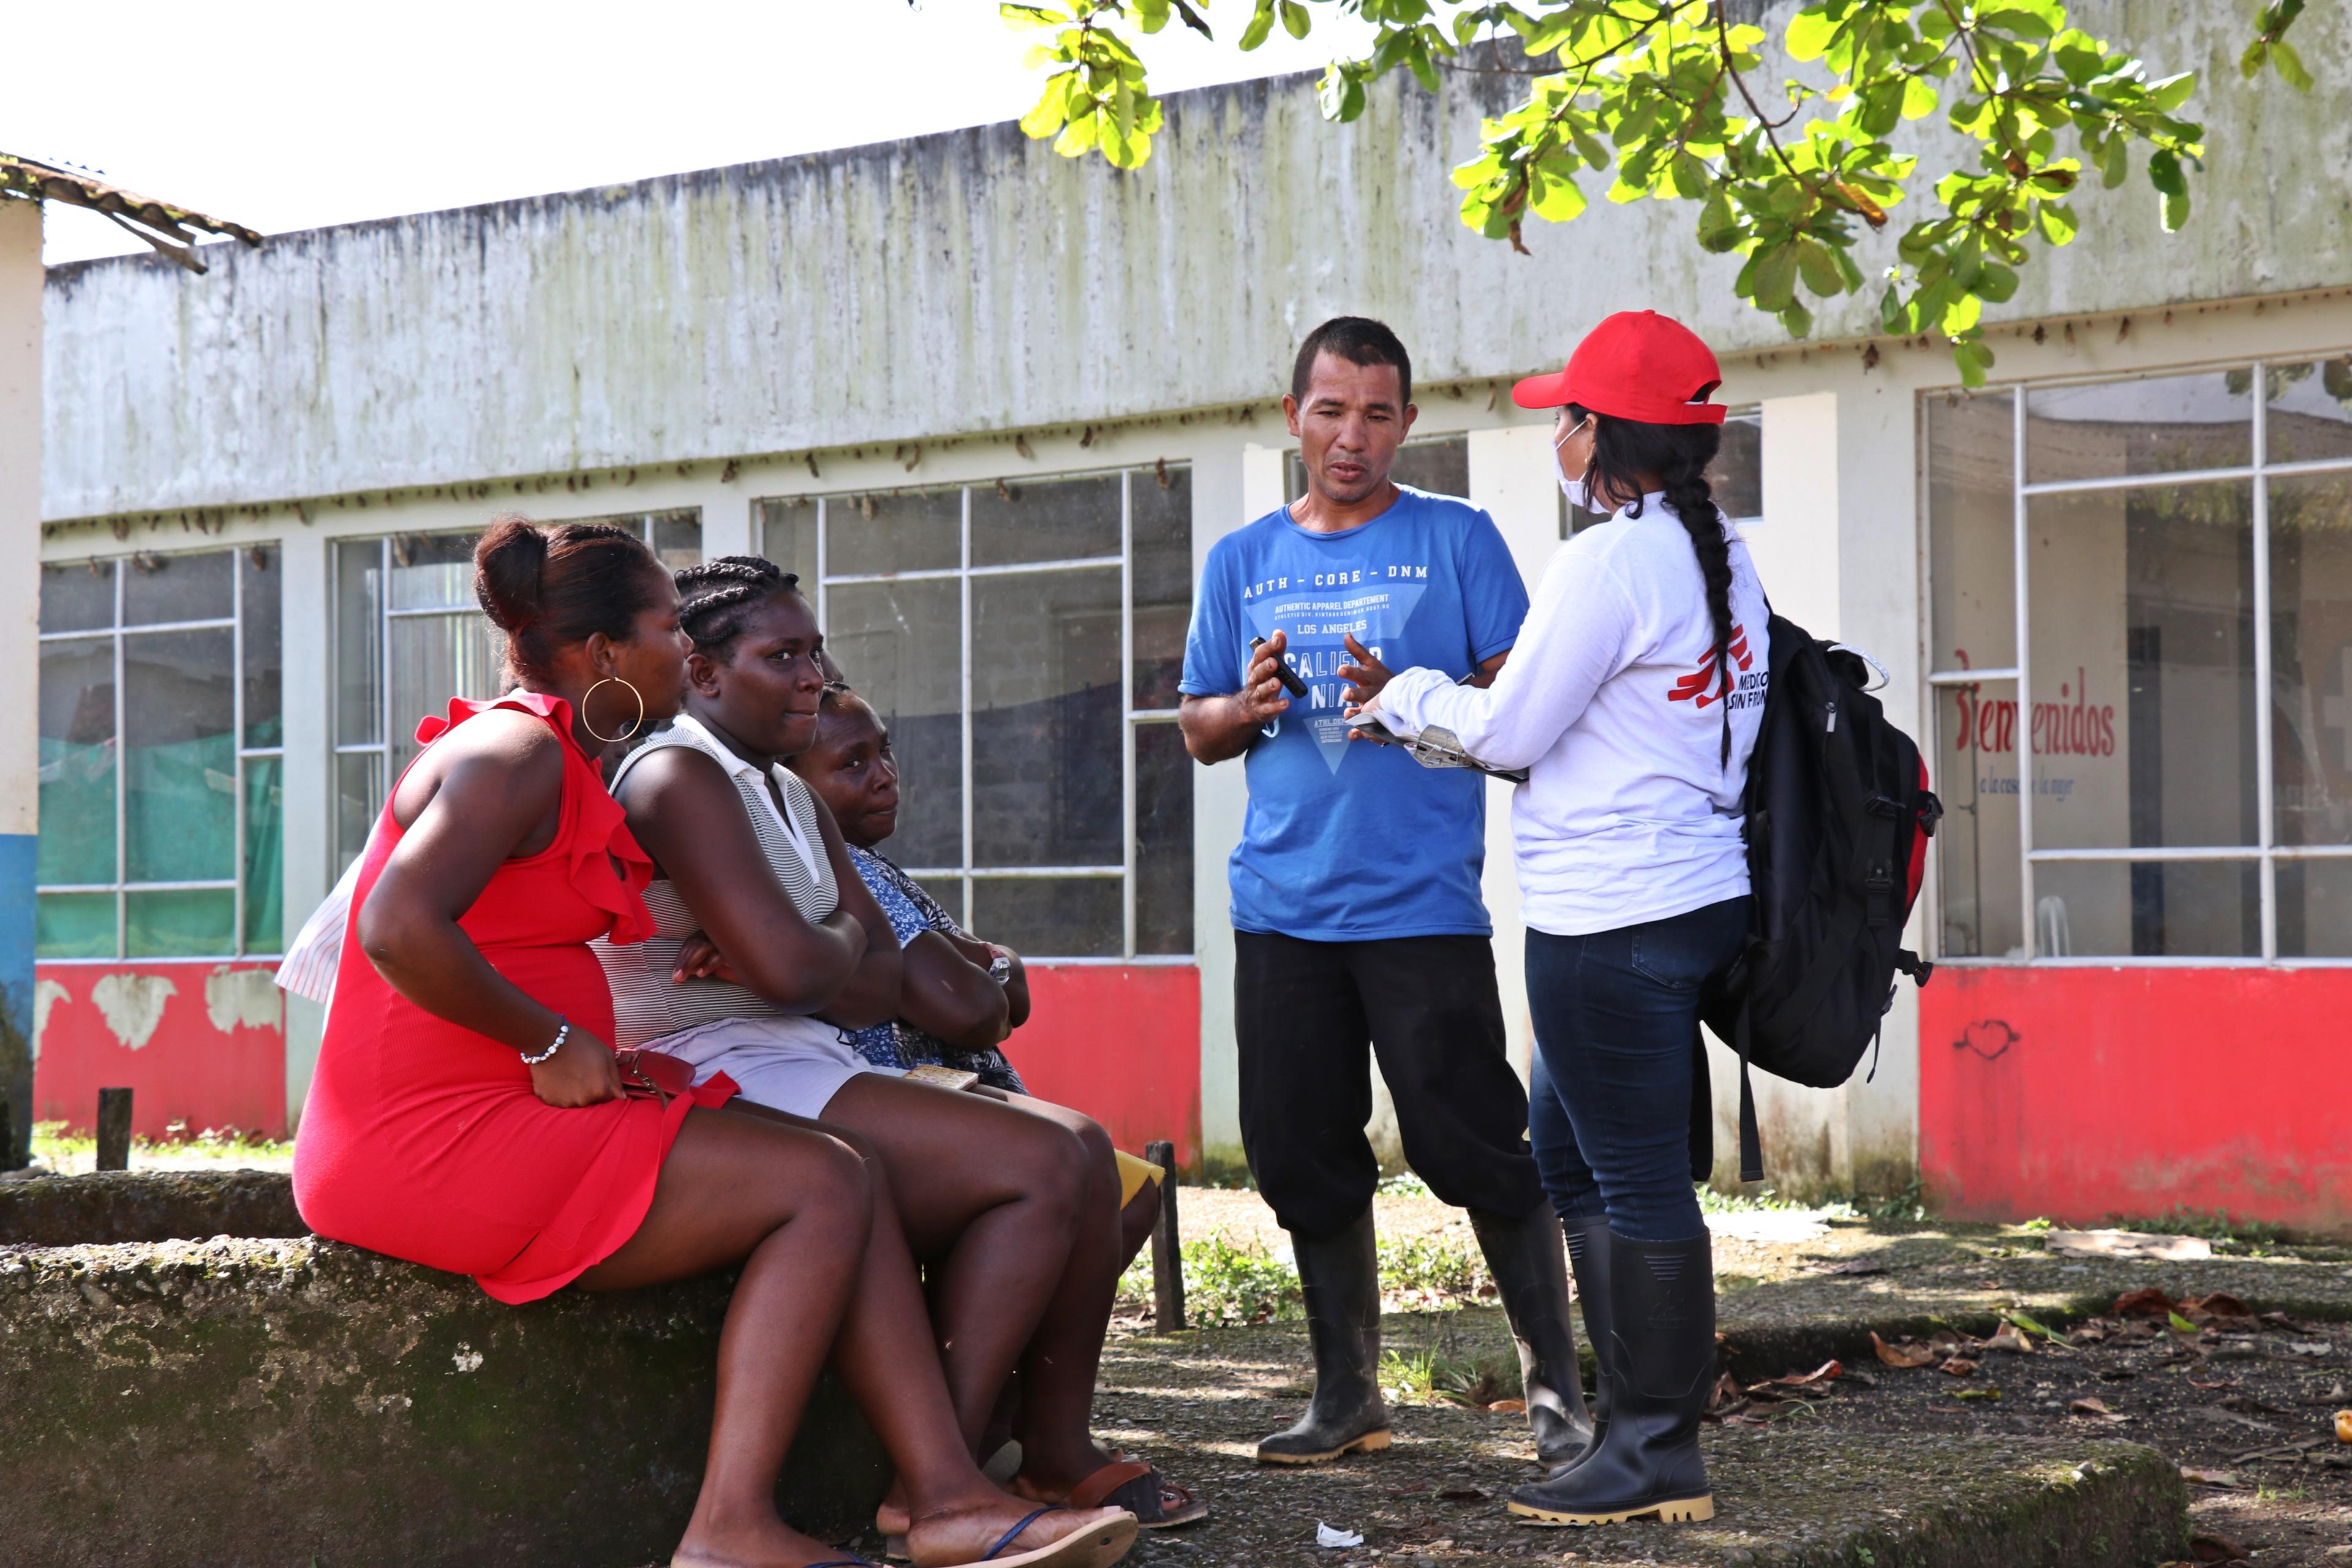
x,y
264,854
787,538
2311,660
263,605
158,588
913,532
78,597
949,891
1972,531
1163,840
2315,907
901,645
2310,413
1050,917
1046,720
2156,908
2143,708
180,750
2159,425
434,658
359,630
195,923
677,538
359,796
1160,519
1738,471
1044,519
77,764
74,925
433,571
1975,774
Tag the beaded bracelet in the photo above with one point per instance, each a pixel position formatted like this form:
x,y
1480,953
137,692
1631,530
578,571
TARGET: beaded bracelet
x,y
562,1032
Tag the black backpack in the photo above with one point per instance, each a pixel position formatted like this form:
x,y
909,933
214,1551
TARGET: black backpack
x,y
1838,817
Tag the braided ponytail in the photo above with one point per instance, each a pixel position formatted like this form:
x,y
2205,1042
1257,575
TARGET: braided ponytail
x,y
1624,453
715,598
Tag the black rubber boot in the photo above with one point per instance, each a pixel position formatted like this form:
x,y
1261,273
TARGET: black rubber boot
x,y
1588,1260
1342,1281
1531,1274
1660,1353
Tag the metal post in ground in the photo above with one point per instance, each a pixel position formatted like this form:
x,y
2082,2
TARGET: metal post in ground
x,y
114,1130
1167,1255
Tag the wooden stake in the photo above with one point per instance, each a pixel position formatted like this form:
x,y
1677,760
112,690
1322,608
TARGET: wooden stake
x,y
114,1130
1167,1255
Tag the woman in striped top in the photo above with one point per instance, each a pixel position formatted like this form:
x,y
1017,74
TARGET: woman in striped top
x,y
1015,1210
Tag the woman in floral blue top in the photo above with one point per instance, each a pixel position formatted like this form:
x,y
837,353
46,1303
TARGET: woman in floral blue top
x,y
913,911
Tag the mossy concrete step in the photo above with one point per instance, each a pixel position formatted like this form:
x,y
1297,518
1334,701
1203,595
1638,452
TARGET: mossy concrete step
x,y
277,1404
1814,1499
146,1206
1769,1329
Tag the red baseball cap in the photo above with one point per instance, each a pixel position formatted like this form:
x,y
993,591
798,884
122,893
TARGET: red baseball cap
x,y
1636,365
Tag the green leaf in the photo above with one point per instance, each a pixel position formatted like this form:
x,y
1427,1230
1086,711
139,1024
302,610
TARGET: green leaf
x,y
1294,19
2114,162
2058,223
1776,277
1920,97
1809,32
1996,282
1261,23
2290,66
2176,212
2180,1324
1717,225
1796,321
2163,172
1819,268
2174,90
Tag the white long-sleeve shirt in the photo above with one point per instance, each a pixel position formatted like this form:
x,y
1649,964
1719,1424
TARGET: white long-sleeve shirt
x,y
1611,700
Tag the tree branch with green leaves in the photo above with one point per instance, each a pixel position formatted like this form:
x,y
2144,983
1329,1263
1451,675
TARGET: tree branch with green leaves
x,y
1666,100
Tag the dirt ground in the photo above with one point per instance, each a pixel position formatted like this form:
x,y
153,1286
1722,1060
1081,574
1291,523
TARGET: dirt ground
x,y
2245,1404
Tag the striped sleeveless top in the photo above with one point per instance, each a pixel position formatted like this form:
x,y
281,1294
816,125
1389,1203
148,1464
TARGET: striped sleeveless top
x,y
646,1003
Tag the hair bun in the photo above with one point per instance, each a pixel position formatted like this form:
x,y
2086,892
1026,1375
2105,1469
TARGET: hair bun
x,y
509,562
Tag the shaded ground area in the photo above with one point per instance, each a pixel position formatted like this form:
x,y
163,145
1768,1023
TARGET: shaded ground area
x,y
2245,1402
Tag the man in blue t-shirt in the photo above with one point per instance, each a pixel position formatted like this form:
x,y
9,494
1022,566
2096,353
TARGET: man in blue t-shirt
x,y
1357,924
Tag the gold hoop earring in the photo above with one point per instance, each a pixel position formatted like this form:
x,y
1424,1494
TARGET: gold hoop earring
x,y
635,726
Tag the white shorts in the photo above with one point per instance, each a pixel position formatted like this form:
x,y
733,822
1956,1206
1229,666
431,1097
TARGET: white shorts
x,y
789,1063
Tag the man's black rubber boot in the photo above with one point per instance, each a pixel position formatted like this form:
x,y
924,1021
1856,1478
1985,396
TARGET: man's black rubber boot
x,y
1661,1354
1588,1260
1342,1281
1530,1273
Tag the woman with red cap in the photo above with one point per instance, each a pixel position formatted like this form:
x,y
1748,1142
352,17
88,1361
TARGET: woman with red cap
x,y
1632,700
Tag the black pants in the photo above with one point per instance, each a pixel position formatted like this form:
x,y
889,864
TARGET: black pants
x,y
1305,1013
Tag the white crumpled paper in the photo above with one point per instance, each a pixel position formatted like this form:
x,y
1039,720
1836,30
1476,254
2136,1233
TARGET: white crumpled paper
x,y
1326,1536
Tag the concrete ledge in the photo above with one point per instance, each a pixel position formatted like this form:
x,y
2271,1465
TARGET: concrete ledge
x,y
1769,1329
1811,1500
147,1206
281,1403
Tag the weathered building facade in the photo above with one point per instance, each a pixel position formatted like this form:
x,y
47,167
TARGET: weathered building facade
x,y
997,404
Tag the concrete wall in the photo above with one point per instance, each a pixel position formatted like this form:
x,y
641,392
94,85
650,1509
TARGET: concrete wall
x,y
977,281
20,610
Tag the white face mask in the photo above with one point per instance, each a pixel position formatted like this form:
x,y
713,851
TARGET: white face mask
x,y
1578,492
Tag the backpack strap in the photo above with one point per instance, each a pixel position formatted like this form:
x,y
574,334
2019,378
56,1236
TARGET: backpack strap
x,y
1751,1141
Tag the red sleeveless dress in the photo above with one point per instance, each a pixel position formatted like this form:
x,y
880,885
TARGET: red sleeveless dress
x,y
421,1138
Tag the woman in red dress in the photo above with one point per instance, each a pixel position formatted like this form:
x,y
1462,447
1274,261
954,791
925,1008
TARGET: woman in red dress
x,y
467,1113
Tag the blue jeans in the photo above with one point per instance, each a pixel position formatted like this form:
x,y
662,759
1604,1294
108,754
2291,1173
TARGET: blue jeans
x,y
1609,1107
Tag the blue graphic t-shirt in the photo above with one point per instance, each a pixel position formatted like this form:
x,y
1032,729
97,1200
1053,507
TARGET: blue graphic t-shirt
x,y
1346,841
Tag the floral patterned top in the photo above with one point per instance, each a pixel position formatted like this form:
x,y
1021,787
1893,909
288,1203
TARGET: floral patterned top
x,y
898,1044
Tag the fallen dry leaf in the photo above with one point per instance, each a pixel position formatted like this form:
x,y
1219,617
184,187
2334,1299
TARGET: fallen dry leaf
x,y
2207,1548
1822,1373
2007,1339
2208,1477
2148,1303
2090,1404
2343,1426
1956,1366
1509,1407
2209,1387
2218,1304
1904,1353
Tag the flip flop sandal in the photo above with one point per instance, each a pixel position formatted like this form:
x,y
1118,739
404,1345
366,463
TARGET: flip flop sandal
x,y
1157,1502
1098,1547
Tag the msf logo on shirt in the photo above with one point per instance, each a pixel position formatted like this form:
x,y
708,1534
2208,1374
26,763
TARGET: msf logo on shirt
x,y
1704,685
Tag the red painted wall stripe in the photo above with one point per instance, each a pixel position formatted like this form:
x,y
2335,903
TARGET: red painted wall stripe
x,y
2088,1093
202,1044
1121,1045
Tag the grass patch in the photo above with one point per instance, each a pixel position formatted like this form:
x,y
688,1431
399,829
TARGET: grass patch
x,y
2216,1225
1433,1377
57,1144
1227,1282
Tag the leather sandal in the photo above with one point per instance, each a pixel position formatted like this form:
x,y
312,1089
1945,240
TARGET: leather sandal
x,y
1157,1502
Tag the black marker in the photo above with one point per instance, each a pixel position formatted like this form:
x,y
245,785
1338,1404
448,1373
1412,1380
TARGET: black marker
x,y
1288,676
